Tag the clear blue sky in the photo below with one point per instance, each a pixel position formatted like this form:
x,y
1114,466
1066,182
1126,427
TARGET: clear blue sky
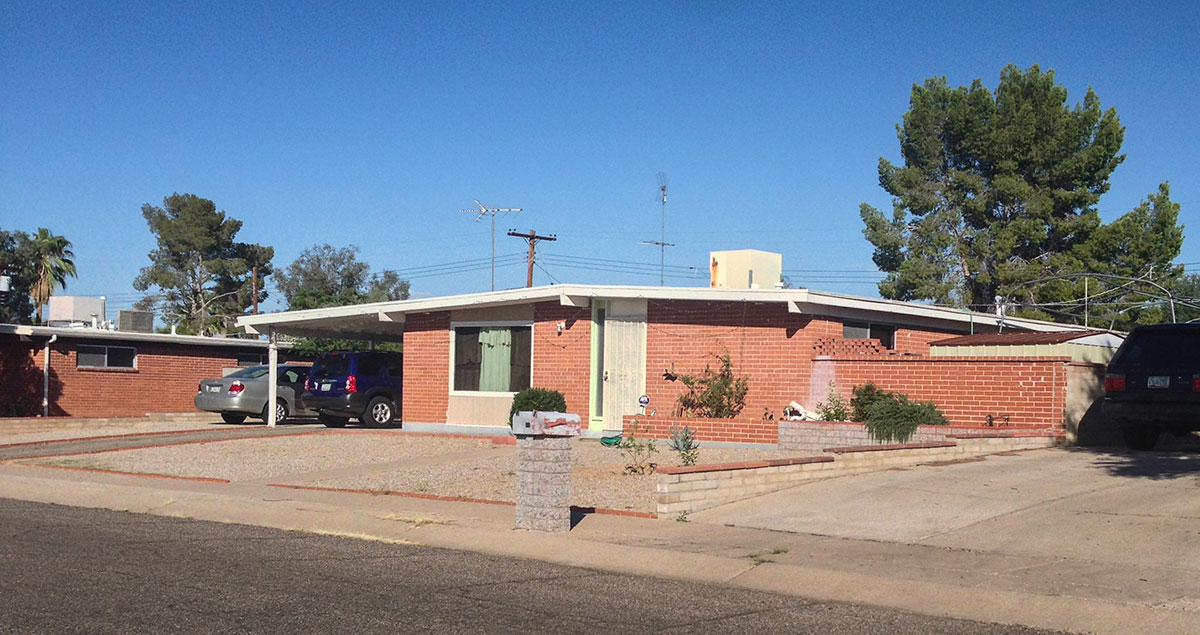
x,y
371,124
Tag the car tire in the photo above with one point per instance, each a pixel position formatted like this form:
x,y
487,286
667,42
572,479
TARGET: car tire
x,y
229,417
380,413
1140,437
281,411
332,421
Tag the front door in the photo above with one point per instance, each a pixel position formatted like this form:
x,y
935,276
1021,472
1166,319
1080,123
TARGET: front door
x,y
618,361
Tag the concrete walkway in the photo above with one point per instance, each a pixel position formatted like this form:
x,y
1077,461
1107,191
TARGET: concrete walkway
x,y
1113,570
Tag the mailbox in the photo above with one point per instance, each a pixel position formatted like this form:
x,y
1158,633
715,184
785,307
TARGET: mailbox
x,y
546,424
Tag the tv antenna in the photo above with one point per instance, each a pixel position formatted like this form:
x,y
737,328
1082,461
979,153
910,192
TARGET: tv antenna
x,y
484,210
662,241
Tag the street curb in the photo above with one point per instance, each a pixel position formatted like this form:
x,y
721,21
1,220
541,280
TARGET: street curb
x,y
94,470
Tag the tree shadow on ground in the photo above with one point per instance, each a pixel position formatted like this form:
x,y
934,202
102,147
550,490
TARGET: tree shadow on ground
x,y
1173,458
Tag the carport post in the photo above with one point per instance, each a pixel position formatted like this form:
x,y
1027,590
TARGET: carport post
x,y
272,378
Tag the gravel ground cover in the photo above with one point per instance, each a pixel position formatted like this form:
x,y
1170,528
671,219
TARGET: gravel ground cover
x,y
106,431
598,477
466,467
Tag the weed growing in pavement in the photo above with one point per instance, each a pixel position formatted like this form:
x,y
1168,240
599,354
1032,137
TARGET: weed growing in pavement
x,y
637,451
681,517
683,441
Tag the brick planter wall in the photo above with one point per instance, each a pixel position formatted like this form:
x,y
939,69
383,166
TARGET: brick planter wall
x,y
816,436
725,430
1026,390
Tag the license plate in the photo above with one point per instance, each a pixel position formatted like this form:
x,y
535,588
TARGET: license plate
x,y
1158,381
214,389
326,387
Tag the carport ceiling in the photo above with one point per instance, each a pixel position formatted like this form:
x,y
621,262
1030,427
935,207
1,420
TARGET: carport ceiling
x,y
350,327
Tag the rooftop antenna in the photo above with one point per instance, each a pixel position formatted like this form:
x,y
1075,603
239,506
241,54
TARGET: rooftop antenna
x,y
662,241
484,210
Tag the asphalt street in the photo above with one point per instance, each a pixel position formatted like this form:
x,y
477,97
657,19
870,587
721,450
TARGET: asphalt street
x,y
67,569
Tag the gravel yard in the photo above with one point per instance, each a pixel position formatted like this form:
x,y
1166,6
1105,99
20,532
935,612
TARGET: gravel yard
x,y
467,467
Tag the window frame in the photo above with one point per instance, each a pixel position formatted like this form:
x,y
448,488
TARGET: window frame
x,y
870,326
488,324
106,366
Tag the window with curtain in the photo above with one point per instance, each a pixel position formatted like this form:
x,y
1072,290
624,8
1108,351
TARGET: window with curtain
x,y
492,358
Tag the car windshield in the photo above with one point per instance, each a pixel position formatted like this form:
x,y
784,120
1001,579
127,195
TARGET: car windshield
x,y
1162,349
332,366
250,373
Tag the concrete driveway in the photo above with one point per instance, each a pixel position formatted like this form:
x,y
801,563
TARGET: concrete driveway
x,y
1102,506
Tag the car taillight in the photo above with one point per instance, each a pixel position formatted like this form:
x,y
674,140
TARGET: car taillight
x,y
236,388
1116,383
351,384
307,384
199,387
1195,383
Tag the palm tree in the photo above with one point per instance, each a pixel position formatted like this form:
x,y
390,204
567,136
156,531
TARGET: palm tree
x,y
53,262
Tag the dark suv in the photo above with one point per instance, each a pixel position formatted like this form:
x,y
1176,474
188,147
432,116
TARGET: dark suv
x,y
1153,383
348,384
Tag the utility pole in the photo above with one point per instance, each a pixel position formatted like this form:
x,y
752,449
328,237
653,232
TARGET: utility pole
x,y
254,288
484,210
533,239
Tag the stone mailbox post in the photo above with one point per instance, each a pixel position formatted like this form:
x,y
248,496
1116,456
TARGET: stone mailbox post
x,y
544,469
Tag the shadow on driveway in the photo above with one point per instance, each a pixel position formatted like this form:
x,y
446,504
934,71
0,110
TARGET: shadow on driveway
x,y
1173,458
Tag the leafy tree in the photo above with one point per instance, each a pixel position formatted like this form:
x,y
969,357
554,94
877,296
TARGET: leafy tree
x,y
53,262
202,275
16,258
997,190
325,276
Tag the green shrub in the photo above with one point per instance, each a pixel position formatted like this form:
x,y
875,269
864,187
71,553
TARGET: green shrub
x,y
895,419
683,441
713,394
865,396
834,408
637,451
540,399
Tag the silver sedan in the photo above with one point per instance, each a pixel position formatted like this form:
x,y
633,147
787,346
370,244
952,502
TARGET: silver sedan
x,y
244,394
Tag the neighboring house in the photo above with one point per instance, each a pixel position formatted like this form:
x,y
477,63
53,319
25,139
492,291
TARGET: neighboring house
x,y
606,346
96,372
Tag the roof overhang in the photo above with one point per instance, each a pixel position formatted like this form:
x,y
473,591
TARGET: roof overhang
x,y
22,330
384,321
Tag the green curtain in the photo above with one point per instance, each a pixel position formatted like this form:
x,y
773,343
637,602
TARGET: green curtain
x,y
496,367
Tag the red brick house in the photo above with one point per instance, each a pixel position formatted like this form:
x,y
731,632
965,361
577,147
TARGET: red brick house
x,y
101,373
606,346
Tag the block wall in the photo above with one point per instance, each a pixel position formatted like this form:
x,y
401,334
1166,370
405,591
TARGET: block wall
x,y
426,367
1013,390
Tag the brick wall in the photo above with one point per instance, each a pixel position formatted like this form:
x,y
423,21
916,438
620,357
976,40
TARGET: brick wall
x,y
771,347
724,430
562,361
426,367
164,381
20,378
1026,390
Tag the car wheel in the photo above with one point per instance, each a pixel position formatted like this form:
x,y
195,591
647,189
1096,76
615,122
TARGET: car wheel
x,y
1140,437
332,421
380,413
281,411
229,417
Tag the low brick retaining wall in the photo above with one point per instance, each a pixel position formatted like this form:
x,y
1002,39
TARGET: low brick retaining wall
x,y
816,436
690,489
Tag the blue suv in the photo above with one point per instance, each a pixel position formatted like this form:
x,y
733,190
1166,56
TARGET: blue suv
x,y
351,384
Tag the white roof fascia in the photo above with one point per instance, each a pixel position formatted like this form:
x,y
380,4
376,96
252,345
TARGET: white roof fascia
x,y
126,336
1107,340
798,301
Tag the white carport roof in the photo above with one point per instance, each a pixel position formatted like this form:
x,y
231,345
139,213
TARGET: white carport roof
x,y
384,321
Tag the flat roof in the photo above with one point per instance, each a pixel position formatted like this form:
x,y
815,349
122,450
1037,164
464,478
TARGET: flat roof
x,y
87,333
384,320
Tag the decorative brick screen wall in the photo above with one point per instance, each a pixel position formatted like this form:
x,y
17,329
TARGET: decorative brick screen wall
x,y
426,367
1019,390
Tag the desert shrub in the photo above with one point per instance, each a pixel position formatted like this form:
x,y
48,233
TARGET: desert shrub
x,y
865,396
539,399
895,419
637,451
834,408
713,394
683,441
